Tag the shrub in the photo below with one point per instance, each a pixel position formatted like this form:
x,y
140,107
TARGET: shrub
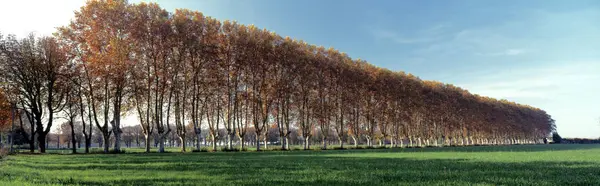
x,y
96,151
3,153
556,138
277,149
205,149
116,152
230,150
202,149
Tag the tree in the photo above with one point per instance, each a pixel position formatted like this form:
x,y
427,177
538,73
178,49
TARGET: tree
x,y
556,137
72,109
86,129
231,65
261,81
7,115
186,69
99,32
33,66
304,93
148,32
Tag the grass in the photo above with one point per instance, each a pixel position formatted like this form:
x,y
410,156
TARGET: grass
x,y
483,165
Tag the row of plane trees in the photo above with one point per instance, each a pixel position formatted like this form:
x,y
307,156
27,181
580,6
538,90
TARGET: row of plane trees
x,y
184,68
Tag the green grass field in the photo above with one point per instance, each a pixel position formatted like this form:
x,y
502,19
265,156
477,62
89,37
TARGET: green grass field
x,y
484,165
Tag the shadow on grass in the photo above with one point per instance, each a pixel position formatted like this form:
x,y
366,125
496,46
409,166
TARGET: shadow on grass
x,y
497,148
506,148
277,168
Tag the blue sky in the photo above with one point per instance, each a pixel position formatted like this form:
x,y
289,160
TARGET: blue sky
x,y
542,53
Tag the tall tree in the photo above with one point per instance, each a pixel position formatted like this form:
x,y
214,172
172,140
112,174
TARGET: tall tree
x,y
33,66
188,69
99,31
8,114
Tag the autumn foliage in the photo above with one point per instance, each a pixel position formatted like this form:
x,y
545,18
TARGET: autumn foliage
x,y
175,69
5,112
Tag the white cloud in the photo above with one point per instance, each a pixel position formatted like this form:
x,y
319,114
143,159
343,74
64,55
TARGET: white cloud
x,y
507,52
426,35
394,37
512,52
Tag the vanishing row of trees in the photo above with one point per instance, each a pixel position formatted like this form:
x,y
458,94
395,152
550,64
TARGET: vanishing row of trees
x,y
132,137
184,68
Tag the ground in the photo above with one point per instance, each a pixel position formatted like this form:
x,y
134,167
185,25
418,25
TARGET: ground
x,y
483,165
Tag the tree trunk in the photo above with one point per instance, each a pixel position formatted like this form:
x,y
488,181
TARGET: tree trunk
x,y
105,143
470,142
282,141
73,142
446,141
12,138
88,143
257,142
182,139
214,143
32,145
147,143
324,141
229,141
306,141
32,139
12,128
198,141
161,144
287,142
242,143
117,147
41,142
265,139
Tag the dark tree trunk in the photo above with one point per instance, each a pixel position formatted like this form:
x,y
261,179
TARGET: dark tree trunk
x,y
73,141
41,142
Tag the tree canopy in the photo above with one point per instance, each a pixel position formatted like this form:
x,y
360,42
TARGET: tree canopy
x,y
175,69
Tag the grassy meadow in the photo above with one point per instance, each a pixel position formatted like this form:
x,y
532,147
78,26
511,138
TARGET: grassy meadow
x,y
479,165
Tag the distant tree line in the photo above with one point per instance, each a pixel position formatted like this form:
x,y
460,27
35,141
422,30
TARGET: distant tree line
x,y
183,71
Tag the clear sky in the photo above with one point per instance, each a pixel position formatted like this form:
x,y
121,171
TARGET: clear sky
x,y
545,53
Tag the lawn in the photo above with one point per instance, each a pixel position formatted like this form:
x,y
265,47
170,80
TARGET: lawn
x,y
484,165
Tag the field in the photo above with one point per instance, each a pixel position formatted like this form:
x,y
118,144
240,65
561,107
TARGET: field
x,y
483,165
